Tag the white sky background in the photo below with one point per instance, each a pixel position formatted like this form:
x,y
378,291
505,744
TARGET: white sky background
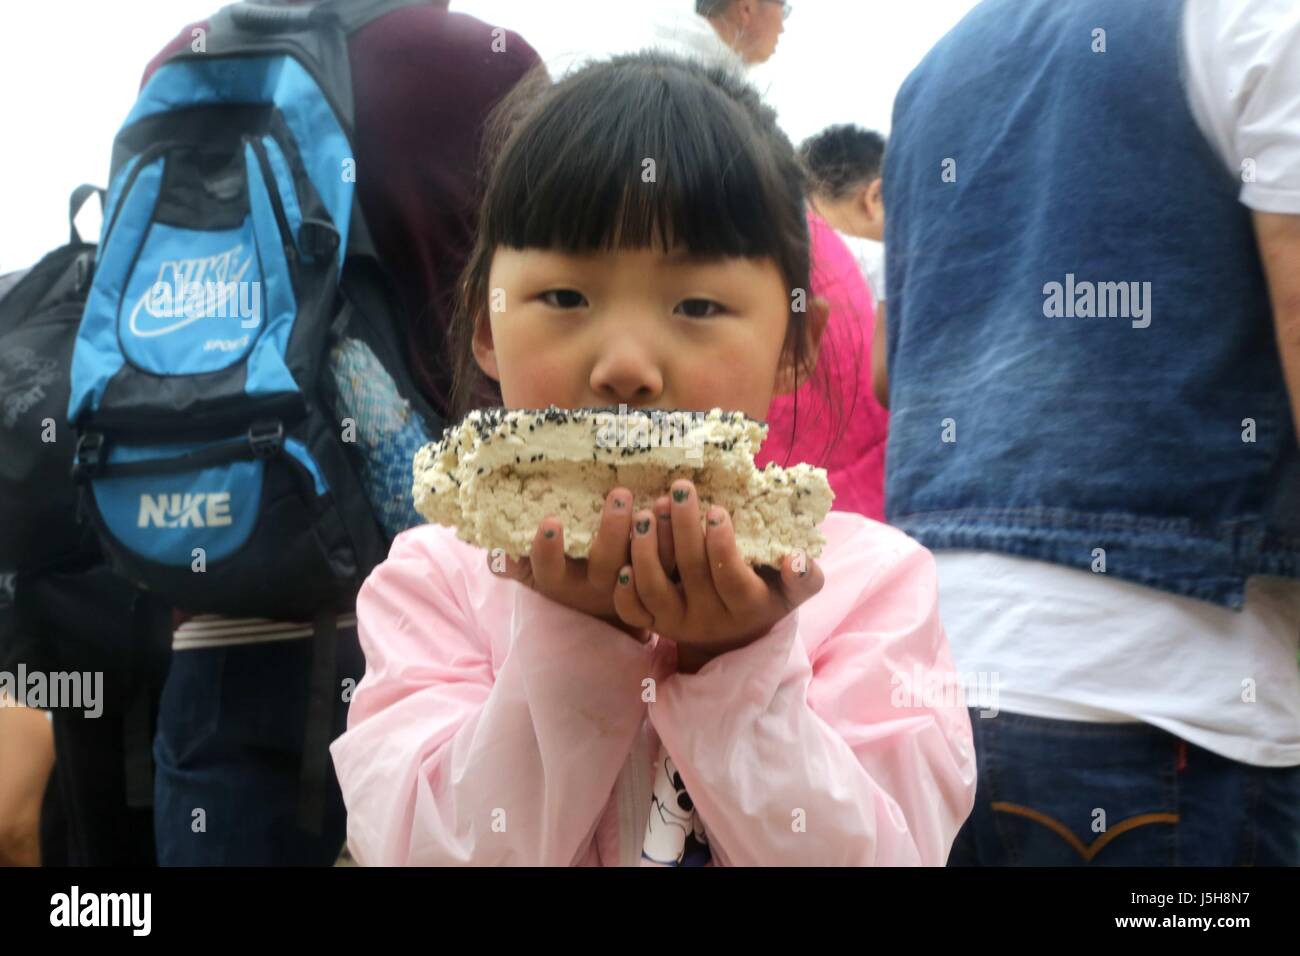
x,y
70,70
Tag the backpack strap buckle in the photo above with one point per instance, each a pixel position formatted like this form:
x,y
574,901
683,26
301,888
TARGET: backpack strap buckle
x,y
88,461
266,438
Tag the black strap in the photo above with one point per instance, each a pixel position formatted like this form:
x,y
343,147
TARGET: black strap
x,y
238,450
78,199
152,632
264,440
137,746
321,696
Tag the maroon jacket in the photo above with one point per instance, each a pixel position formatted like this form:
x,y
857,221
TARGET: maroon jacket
x,y
424,80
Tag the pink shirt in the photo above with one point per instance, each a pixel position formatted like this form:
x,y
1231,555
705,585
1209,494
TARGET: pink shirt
x,y
855,461
495,726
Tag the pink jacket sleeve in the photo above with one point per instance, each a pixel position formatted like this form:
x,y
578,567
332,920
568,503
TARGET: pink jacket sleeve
x,y
792,761
445,761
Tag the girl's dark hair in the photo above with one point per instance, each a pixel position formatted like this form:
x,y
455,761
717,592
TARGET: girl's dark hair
x,y
565,169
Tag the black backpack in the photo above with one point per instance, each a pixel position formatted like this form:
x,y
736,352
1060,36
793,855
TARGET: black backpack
x,y
61,608
213,459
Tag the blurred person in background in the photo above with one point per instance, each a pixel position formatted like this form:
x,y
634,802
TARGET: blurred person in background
x,y
740,33
845,165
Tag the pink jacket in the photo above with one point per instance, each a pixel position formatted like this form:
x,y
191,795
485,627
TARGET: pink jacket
x,y
495,726
855,460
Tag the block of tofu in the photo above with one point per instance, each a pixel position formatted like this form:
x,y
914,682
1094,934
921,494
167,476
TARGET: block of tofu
x,y
495,475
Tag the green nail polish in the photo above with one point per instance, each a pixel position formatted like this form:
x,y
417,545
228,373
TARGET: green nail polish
x,y
624,578
680,495
549,532
643,526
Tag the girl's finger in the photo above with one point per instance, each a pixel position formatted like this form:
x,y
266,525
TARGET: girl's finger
x,y
658,595
688,544
609,550
740,589
627,603
547,557
664,534
801,577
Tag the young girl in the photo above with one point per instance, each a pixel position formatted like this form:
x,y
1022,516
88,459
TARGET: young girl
x,y
643,241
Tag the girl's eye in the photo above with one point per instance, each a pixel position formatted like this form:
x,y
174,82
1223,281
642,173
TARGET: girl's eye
x,y
699,308
564,298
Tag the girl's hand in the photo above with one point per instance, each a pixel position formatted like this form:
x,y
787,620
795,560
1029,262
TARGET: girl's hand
x,y
583,584
721,603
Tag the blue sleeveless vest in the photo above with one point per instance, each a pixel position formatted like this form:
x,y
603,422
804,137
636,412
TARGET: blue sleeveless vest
x,y
1082,358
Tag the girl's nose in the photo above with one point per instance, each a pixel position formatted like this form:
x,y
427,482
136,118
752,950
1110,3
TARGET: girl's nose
x,y
626,371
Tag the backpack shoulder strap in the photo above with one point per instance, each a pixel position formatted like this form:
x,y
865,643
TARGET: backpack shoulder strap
x,y
76,201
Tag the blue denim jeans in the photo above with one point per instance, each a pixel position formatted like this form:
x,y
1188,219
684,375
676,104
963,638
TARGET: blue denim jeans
x,y
1073,793
230,743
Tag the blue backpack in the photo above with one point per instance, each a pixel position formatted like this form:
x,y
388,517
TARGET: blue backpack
x,y
211,455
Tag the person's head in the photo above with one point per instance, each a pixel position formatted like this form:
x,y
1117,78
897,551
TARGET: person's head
x,y
643,241
844,166
750,27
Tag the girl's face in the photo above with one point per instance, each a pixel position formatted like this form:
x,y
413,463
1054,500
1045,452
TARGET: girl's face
x,y
641,328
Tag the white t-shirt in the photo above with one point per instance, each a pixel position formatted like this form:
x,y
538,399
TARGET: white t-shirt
x,y
1074,645
870,257
1052,641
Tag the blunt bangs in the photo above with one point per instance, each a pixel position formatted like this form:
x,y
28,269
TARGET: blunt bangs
x,y
654,155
